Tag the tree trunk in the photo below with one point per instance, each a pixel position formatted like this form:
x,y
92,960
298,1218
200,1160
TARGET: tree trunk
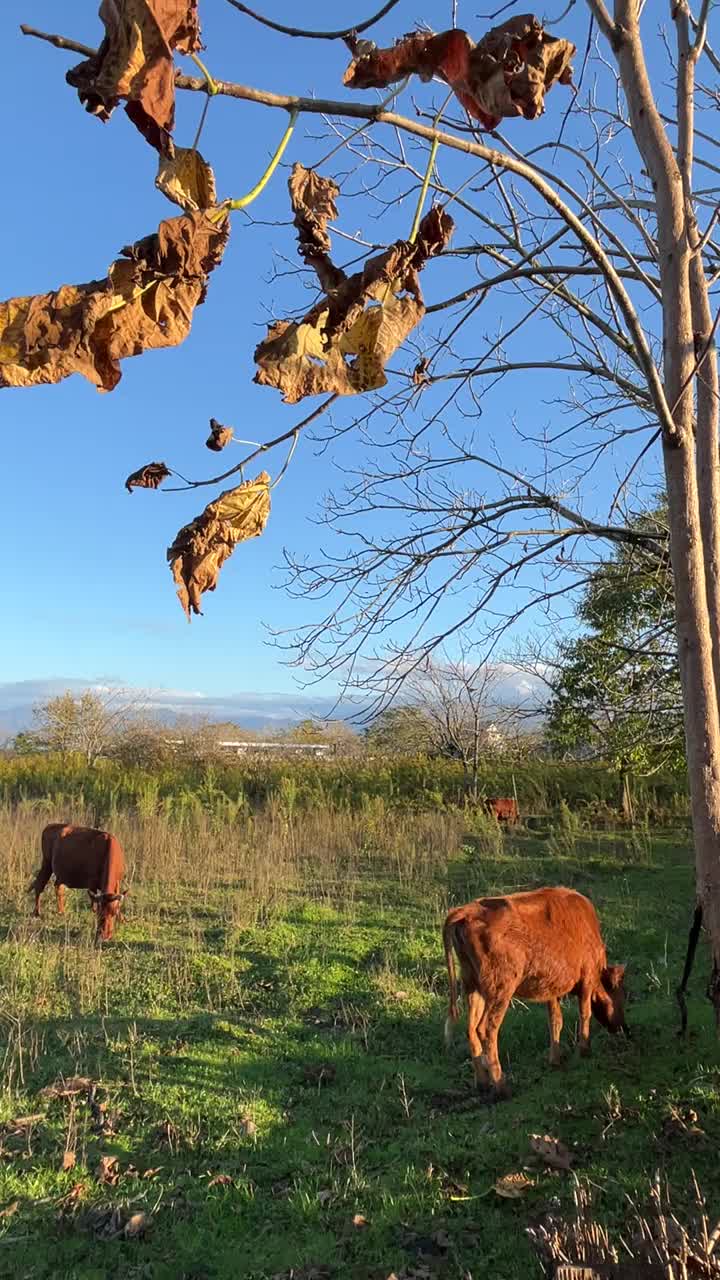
x,y
626,796
693,510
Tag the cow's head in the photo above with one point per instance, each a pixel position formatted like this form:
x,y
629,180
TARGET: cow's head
x,y
107,907
608,1002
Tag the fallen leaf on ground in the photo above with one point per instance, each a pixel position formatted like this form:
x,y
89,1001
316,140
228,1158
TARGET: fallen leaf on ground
x,y
150,476
344,342
221,1180
552,1152
9,1209
219,436
153,1173
681,1124
69,1160
136,1225
70,1200
359,1220
400,995
248,1126
70,1087
186,179
134,62
513,1186
145,302
201,548
506,74
108,1170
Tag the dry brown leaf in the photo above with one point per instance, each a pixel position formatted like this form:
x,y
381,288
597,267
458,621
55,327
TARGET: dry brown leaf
x,y
108,1171
67,1088
201,548
150,476
186,179
313,201
221,1180
506,74
69,1160
68,1203
219,436
513,1186
359,1220
26,1122
136,1225
248,1126
146,301
135,62
552,1152
9,1209
153,1173
344,342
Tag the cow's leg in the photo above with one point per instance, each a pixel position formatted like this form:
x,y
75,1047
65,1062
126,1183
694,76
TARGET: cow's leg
x,y
585,1009
555,1020
60,897
490,1059
476,1021
39,884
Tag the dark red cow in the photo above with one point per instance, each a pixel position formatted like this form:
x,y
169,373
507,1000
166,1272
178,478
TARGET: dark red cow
x,y
537,946
504,808
83,858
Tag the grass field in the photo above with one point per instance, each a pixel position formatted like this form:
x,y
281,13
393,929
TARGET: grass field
x,y
266,1038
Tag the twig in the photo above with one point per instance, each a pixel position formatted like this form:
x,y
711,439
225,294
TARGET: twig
x,y
263,448
60,42
244,201
315,35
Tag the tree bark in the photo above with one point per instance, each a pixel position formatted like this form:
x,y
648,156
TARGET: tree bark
x,y
694,514
626,796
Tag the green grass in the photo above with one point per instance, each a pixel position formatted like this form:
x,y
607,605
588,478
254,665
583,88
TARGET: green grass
x,y
272,1012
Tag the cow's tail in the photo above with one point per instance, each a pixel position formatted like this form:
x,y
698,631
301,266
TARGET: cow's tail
x,y
452,1017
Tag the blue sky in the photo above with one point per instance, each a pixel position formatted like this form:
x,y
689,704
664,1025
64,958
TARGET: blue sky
x,y
88,593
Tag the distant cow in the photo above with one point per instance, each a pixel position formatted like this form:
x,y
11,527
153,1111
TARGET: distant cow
x,y
83,858
536,946
504,808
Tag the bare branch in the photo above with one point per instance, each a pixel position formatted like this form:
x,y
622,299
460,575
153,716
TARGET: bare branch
x,y
354,30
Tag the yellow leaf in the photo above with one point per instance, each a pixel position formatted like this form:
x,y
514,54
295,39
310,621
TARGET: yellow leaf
x,y
186,179
201,548
513,1186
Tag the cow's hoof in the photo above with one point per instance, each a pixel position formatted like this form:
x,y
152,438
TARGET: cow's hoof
x,y
557,1060
491,1094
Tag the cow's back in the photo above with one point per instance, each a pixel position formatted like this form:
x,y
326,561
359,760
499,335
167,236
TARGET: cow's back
x,y
48,837
542,942
79,857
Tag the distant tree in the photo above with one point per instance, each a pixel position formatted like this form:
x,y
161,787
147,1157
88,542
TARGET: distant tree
x,y
26,743
401,730
88,724
338,732
459,698
615,690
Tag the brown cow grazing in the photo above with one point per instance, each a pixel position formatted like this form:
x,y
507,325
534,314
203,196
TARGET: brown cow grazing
x,y
538,946
83,858
504,808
